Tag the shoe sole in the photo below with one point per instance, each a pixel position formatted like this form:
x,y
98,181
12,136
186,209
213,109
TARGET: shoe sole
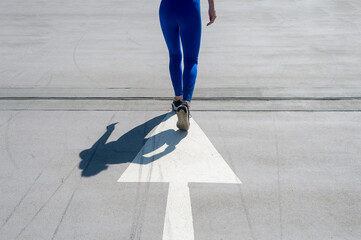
x,y
183,122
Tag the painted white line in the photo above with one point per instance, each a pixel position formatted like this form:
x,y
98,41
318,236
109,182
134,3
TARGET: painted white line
x,y
178,223
178,157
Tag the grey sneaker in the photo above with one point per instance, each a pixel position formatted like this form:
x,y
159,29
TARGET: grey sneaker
x,y
183,116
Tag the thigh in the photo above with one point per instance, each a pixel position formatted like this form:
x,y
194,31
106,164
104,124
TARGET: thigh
x,y
170,29
191,30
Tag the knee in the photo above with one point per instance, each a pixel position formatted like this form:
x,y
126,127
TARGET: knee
x,y
175,57
190,60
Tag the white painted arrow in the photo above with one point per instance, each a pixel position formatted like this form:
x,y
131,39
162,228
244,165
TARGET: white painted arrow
x,y
178,157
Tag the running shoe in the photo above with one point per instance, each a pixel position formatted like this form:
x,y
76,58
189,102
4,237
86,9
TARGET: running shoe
x,y
183,116
176,104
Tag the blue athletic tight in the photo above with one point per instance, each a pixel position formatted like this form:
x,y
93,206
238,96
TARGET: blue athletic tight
x,y
180,21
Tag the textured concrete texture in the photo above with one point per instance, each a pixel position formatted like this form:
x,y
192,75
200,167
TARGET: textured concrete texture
x,y
300,176
119,44
278,94
45,192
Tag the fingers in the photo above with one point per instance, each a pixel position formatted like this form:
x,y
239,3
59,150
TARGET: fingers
x,y
211,21
212,17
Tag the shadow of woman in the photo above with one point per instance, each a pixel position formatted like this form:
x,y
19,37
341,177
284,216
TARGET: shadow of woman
x,y
97,158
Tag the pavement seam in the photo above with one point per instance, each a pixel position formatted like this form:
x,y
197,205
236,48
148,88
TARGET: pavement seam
x,y
194,98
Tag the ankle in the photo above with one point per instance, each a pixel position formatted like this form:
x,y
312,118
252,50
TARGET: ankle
x,y
176,98
188,103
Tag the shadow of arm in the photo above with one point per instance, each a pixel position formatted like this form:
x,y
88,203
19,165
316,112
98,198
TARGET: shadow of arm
x,y
87,155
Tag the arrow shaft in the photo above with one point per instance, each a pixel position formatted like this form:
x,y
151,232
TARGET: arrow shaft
x,y
178,223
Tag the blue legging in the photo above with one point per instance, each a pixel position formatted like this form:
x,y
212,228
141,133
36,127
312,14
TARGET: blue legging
x,y
180,20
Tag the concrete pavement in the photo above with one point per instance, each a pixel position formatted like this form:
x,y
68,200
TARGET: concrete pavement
x,y
300,176
278,95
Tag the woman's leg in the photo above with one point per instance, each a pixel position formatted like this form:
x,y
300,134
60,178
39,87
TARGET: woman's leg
x,y
170,30
190,31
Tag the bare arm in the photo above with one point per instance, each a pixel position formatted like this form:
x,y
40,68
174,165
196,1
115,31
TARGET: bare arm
x,y
211,12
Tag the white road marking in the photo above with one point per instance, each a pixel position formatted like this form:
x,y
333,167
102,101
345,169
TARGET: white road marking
x,y
178,157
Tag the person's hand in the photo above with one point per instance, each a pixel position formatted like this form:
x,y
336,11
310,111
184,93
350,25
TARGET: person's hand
x,y
111,126
212,16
